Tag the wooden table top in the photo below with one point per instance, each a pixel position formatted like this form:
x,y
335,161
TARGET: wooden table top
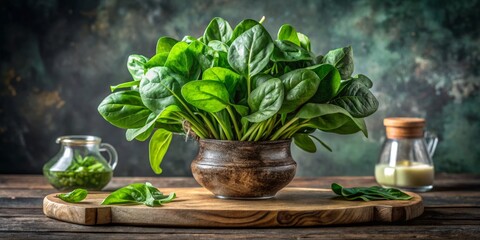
x,y
452,210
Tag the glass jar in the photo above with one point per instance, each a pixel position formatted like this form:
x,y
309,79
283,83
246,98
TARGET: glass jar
x,y
405,159
79,164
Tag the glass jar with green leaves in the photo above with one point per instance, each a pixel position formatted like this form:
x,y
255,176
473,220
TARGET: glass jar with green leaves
x,y
240,85
79,164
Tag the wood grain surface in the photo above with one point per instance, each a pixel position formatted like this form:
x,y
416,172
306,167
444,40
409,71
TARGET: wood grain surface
x,y
196,207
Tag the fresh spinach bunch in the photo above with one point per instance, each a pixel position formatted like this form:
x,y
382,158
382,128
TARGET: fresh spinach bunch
x,y
239,84
369,193
138,193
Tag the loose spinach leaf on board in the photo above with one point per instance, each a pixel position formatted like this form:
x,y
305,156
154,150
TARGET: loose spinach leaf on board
x,y
138,193
369,193
74,196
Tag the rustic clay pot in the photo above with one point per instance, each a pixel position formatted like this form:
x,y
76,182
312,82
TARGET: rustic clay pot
x,y
244,170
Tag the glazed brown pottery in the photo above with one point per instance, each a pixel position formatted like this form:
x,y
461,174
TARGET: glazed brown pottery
x,y
244,170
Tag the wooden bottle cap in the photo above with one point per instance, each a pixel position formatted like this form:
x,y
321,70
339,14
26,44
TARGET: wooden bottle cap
x,y
404,127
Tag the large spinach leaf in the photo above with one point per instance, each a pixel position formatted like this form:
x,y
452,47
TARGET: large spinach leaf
x,y
342,59
266,100
218,29
160,88
300,85
331,118
158,147
224,75
329,82
251,51
356,98
181,60
288,33
286,51
208,95
124,109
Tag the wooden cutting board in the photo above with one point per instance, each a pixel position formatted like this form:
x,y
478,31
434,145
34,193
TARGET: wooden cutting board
x,y
196,207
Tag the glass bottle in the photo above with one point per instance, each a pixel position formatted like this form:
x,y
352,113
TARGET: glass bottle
x,y
405,159
79,163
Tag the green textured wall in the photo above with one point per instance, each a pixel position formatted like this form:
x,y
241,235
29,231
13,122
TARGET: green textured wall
x,y
57,59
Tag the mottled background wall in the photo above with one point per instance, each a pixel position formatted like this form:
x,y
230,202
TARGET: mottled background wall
x,y
57,59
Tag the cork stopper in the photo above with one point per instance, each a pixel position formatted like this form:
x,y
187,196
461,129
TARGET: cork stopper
x,y
404,127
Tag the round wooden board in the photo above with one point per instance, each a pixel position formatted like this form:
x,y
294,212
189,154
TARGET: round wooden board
x,y
196,207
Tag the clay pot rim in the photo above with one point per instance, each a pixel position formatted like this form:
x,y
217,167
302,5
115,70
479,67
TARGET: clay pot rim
x,y
205,140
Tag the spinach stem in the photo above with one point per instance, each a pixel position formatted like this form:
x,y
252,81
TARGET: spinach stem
x,y
235,124
280,131
261,130
199,130
250,130
209,125
225,129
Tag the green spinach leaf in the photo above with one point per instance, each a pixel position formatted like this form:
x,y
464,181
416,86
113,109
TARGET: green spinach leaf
x,y
300,85
124,109
136,66
124,85
288,33
208,95
356,98
304,142
342,59
160,88
331,118
158,147
329,82
74,196
251,51
242,27
304,41
165,44
138,193
182,60
266,100
286,51
224,75
369,193
218,29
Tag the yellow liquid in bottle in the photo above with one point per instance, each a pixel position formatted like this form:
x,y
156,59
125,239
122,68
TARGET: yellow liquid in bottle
x,y
405,174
